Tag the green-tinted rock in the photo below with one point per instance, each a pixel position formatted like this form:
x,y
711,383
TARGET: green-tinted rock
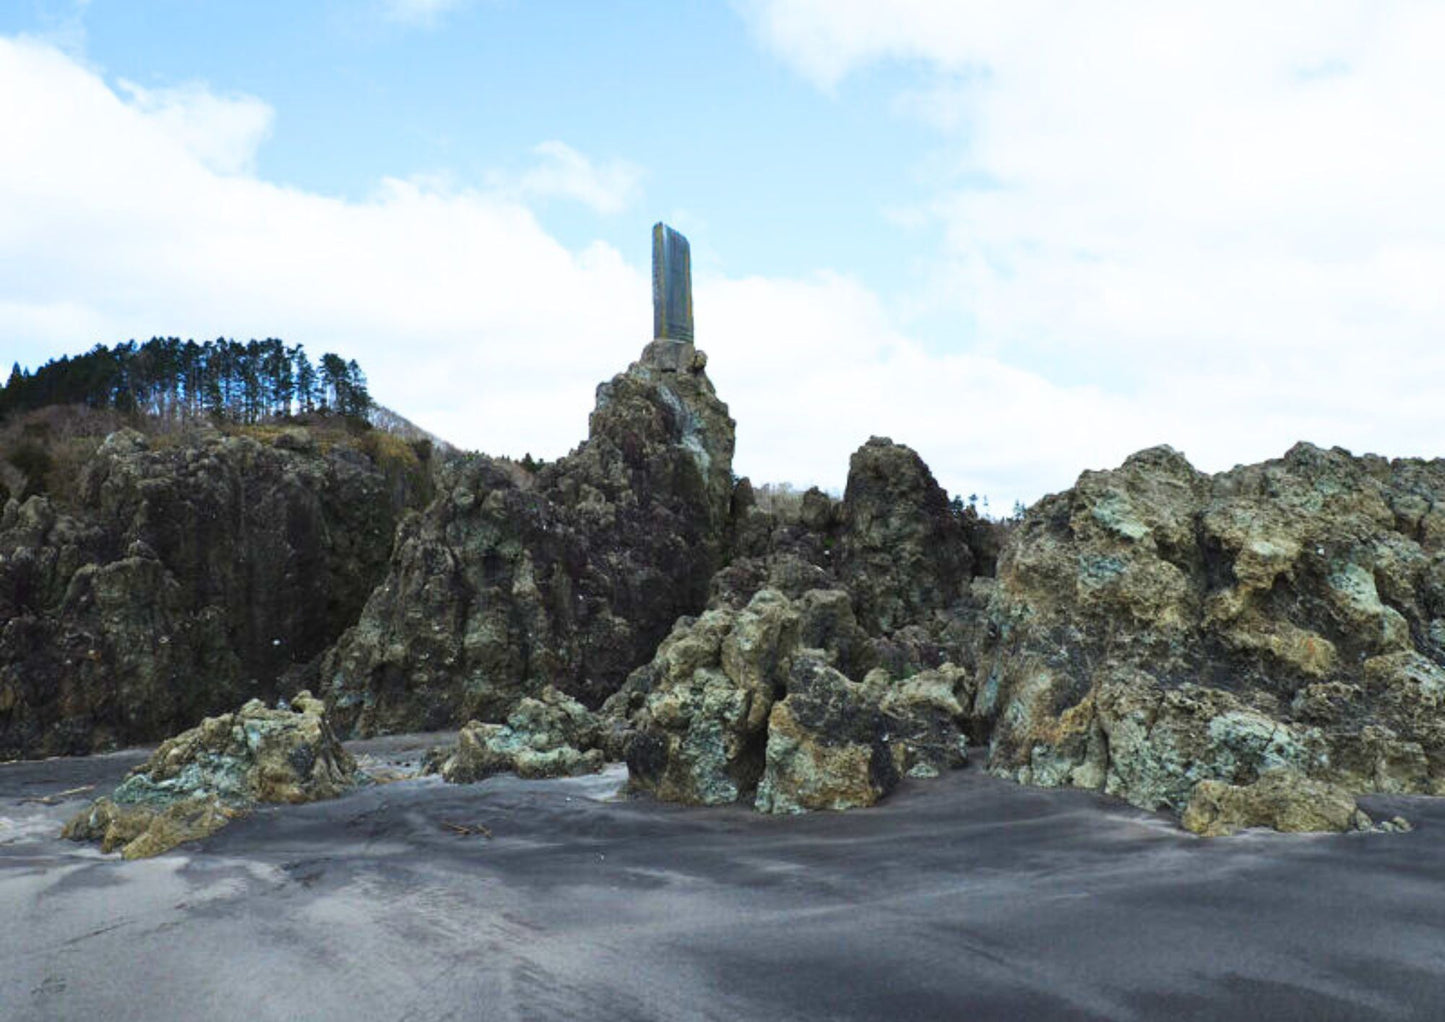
x,y
827,744
569,575
551,735
1154,628
1281,799
196,782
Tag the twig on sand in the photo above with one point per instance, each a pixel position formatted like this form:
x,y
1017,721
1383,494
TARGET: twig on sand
x,y
57,798
467,829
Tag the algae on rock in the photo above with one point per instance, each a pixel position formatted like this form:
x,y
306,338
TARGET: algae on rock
x,y
551,735
735,708
827,744
198,781
1280,799
1156,629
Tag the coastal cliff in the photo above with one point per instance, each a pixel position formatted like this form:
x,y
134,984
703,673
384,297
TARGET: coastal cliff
x,y
153,578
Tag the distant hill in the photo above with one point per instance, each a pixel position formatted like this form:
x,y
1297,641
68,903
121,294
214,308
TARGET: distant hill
x,y
168,377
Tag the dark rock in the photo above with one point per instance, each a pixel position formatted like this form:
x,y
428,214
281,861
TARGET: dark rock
x,y
171,577
512,581
827,744
903,553
699,711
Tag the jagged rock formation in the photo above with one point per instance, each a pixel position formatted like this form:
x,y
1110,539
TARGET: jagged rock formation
x,y
901,557
827,745
198,781
747,704
1208,642
552,735
170,576
1251,648
904,554
566,576
700,707
824,667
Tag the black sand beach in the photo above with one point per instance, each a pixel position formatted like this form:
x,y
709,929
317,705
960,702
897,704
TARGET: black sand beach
x,y
963,897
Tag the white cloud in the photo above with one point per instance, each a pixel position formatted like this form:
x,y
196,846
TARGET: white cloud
x,y
1207,285
812,368
468,316
419,12
223,132
1227,217
563,172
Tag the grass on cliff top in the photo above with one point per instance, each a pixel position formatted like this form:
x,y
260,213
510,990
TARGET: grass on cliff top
x,y
43,451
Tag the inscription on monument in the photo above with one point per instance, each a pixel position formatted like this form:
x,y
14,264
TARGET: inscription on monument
x,y
671,285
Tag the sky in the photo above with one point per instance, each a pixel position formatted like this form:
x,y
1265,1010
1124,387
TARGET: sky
x,y
1026,239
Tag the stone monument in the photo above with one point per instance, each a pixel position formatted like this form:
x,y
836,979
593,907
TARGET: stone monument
x,y
671,348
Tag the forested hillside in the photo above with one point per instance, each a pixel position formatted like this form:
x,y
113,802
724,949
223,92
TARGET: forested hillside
x,y
166,376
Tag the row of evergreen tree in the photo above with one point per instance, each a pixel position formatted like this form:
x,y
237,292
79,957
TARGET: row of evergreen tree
x,y
166,376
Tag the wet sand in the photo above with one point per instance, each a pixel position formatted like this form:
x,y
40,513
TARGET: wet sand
x,y
965,897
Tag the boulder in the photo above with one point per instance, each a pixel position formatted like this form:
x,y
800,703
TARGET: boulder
x,y
925,718
699,712
196,782
551,735
827,744
1280,799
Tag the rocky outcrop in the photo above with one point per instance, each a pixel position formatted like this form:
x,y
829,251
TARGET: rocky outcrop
x,y
552,735
903,552
1181,640
567,576
199,780
1280,799
897,551
736,707
831,658
700,708
171,576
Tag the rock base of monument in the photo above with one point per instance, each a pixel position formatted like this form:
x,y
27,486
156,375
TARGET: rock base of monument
x,y
671,355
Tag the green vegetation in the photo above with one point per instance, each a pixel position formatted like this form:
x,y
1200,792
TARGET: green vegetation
x,y
170,378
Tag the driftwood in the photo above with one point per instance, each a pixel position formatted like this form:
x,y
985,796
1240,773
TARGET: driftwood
x,y
57,798
467,829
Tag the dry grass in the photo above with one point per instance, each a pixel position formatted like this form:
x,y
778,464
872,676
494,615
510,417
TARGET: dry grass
x,y
781,499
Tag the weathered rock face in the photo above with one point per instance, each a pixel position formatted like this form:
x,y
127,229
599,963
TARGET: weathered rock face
x,y
904,554
1155,629
735,707
925,716
827,744
201,779
826,664
899,555
700,708
512,581
1280,799
552,735
183,573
